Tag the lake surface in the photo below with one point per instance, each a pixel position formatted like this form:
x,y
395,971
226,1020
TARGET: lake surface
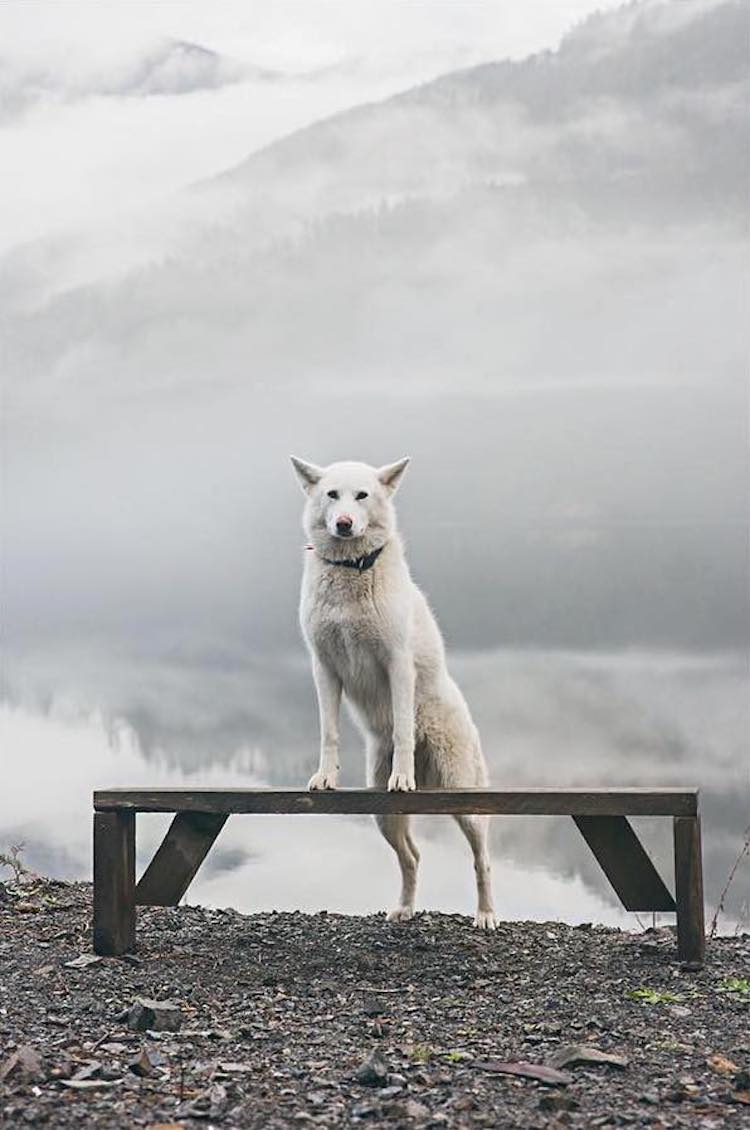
x,y
74,719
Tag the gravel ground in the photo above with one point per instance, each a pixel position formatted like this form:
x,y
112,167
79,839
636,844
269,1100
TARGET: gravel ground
x,y
290,1019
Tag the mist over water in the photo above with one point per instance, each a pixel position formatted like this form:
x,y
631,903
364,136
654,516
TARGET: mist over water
x,y
528,275
82,720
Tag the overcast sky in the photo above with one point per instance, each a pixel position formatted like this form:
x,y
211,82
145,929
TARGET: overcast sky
x,y
80,156
293,36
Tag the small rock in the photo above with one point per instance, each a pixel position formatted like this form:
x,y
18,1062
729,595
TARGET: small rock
x,y
364,1110
464,1102
580,1054
88,1071
389,1092
159,1016
556,1102
62,1070
145,1063
232,1067
24,1063
414,1109
373,1072
650,948
217,1097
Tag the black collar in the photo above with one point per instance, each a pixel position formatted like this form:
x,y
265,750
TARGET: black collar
x,y
366,561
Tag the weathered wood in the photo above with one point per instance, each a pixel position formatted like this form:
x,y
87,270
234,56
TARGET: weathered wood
x,y
541,802
625,862
688,869
114,882
181,853
201,814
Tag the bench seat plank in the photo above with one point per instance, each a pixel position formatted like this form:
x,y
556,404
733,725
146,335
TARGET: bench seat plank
x,y
518,802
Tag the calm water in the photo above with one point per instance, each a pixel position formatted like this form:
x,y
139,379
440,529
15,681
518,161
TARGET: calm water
x,y
74,720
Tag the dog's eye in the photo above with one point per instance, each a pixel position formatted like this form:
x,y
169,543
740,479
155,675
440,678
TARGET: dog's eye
x,y
333,494
360,495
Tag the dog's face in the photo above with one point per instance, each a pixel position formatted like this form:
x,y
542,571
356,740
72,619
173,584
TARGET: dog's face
x,y
349,501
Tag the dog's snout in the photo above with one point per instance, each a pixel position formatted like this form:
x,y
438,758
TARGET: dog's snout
x,y
344,524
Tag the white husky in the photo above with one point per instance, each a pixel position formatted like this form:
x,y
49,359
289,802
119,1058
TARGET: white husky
x,y
371,634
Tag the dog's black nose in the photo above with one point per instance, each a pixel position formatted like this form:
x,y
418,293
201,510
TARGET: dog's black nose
x,y
344,524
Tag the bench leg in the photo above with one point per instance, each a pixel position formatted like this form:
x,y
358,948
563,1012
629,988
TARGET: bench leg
x,y
688,871
114,882
183,849
625,862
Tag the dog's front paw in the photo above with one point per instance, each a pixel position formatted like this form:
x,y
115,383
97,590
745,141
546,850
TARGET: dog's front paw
x,y
323,779
401,783
485,920
400,914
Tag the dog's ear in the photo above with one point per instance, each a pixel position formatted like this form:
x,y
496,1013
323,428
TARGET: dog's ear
x,y
308,473
390,475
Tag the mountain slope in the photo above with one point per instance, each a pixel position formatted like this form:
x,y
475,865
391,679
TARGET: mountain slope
x,y
531,276
659,102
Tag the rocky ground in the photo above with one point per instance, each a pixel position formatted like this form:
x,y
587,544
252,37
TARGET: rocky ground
x,y
278,1020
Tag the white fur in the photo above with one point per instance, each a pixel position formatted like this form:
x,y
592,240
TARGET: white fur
x,y
372,636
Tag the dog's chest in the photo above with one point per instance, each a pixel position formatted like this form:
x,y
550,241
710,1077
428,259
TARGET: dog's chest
x,y
352,636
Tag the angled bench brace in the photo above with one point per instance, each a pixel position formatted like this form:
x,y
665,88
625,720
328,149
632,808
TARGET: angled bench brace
x,y
600,815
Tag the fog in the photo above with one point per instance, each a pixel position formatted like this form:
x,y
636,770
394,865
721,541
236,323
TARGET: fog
x,y
529,274
83,719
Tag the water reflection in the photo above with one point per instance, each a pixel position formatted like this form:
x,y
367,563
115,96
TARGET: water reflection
x,y
546,718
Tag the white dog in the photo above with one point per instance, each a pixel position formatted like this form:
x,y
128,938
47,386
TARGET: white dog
x,y
371,634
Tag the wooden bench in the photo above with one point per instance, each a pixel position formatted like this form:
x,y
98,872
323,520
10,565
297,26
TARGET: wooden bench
x,y
600,815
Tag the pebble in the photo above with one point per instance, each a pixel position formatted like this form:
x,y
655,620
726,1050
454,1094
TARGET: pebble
x,y
373,1071
144,1015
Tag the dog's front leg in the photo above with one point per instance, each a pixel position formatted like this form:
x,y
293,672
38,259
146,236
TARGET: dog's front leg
x,y
328,686
402,676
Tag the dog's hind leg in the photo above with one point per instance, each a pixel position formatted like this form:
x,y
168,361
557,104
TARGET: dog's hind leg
x,y
396,829
476,829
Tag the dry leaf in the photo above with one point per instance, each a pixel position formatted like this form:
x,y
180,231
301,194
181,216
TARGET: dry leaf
x,y
721,1065
90,1084
526,1070
83,961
